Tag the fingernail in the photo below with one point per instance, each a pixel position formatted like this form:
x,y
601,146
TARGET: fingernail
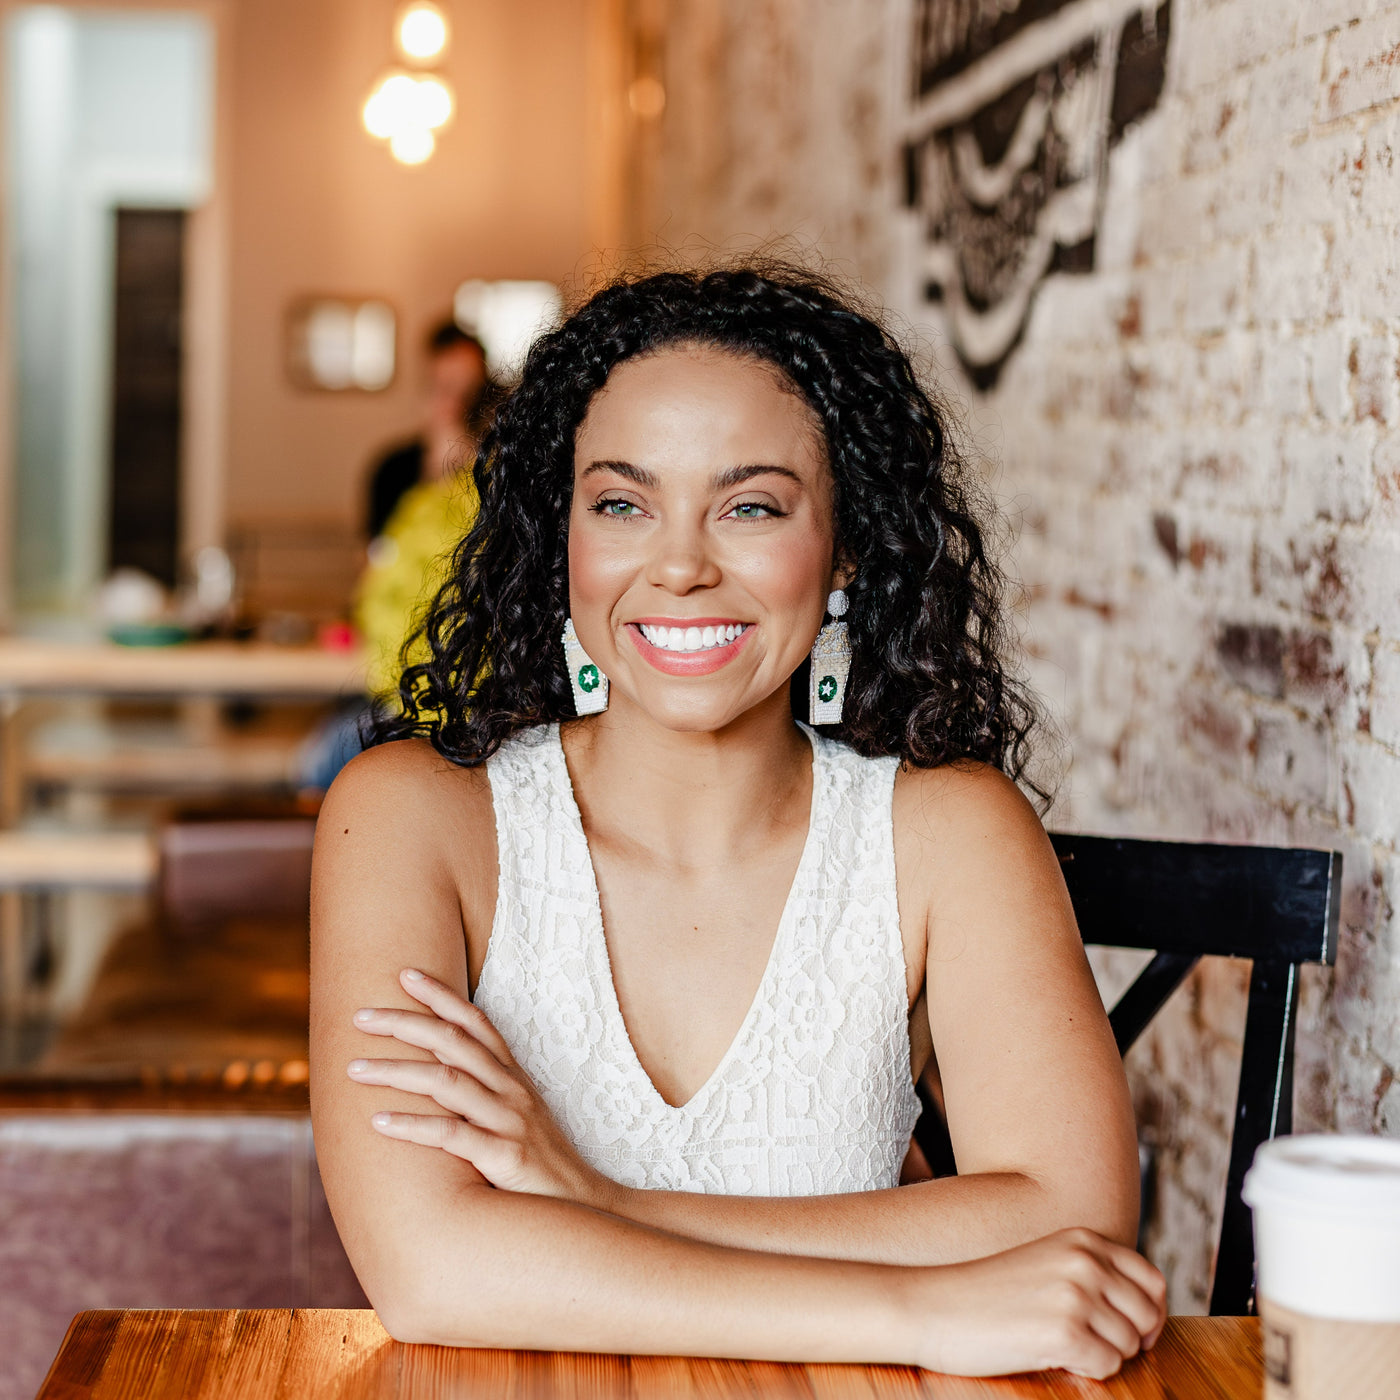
x,y
380,1120
358,1066
365,1015
412,974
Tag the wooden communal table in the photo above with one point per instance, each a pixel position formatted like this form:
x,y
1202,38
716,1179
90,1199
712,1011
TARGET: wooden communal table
x,y
34,666
319,1354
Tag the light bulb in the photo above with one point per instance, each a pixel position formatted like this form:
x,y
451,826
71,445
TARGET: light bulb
x,y
392,106
434,102
422,31
412,145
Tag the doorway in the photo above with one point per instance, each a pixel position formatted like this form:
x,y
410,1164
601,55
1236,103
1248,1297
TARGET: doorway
x,y
109,135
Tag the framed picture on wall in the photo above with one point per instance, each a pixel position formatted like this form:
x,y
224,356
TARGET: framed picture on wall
x,y
340,343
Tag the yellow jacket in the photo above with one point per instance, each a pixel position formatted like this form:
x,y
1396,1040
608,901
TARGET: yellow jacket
x,y
408,563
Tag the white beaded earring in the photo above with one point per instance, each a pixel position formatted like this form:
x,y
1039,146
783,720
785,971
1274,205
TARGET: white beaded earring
x,y
589,684
831,664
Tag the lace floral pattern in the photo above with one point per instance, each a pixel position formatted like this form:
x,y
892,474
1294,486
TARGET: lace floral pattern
x,y
815,1094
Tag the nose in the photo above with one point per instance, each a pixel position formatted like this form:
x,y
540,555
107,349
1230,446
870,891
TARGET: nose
x,y
681,560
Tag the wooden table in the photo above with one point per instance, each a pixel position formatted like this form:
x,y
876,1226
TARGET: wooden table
x,y
316,1355
34,666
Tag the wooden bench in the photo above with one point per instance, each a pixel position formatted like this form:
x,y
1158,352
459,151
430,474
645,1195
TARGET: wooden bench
x,y
97,860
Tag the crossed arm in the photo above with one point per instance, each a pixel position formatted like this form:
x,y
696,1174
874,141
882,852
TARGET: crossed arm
x,y
556,1257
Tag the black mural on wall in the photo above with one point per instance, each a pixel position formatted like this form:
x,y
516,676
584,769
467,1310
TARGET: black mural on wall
x,y
1016,106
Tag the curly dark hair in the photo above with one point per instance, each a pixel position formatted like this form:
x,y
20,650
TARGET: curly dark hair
x,y
928,678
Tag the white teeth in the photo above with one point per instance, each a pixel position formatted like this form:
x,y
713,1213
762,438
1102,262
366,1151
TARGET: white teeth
x,y
690,638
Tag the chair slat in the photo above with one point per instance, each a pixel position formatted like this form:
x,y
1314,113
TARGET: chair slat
x,y
1263,1110
1144,999
1227,901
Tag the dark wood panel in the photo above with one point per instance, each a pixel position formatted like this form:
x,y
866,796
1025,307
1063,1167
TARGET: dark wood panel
x,y
146,392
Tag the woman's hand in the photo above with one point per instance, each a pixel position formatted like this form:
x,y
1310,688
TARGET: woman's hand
x,y
1073,1301
498,1123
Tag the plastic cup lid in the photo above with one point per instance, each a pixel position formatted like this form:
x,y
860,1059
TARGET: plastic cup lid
x,y
1327,1172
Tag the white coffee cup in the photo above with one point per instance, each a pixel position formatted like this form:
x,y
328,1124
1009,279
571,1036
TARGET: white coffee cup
x,y
1327,1244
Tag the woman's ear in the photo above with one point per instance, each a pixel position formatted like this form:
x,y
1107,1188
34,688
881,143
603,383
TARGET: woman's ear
x,y
843,571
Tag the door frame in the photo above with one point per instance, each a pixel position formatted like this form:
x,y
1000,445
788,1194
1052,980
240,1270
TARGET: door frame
x,y
204,368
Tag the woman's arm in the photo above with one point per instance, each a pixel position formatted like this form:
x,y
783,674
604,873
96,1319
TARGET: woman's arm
x,y
445,1257
1037,1102
404,848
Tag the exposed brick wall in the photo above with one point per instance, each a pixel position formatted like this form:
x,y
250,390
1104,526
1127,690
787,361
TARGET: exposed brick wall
x,y
1199,443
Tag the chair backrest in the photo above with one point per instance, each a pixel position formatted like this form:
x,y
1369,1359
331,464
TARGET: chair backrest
x,y
1278,907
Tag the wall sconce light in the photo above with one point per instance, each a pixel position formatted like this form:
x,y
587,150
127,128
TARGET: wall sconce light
x,y
406,109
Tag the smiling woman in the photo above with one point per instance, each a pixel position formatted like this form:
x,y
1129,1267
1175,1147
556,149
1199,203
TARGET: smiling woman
x,y
664,975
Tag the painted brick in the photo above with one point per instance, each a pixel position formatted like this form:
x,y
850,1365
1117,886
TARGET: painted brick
x,y
1329,354
1385,698
1363,66
1320,179
1379,188
1284,93
1285,377
1388,1110
1295,760
1177,216
1242,462
1247,200
1321,16
1290,282
1218,122
1327,674
1369,567
1217,42
1371,789
1364,274
1375,387
1328,475
1216,290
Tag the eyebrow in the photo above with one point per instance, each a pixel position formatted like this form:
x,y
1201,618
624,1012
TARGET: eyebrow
x,y
730,476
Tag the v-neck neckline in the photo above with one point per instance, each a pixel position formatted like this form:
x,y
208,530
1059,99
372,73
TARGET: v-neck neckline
x,y
597,941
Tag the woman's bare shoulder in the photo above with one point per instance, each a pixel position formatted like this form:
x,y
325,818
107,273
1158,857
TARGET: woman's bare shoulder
x,y
961,805
409,780
403,805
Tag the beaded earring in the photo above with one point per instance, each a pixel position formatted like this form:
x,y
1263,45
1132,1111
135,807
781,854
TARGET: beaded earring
x,y
589,684
831,664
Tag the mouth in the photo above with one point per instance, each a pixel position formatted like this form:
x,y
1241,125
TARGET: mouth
x,y
683,639
689,646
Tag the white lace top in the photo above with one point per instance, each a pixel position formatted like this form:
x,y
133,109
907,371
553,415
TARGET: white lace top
x,y
815,1094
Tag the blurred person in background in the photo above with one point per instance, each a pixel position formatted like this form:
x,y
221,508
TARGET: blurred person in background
x,y
420,501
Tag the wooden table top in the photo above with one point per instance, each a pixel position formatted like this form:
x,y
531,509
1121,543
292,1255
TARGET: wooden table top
x,y
281,1354
30,665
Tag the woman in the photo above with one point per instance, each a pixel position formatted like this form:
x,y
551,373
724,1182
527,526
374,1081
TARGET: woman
x,y
709,951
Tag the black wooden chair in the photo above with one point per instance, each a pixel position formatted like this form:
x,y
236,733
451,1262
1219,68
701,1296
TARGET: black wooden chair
x,y
1277,907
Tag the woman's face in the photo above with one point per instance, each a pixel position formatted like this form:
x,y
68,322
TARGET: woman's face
x,y
701,537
